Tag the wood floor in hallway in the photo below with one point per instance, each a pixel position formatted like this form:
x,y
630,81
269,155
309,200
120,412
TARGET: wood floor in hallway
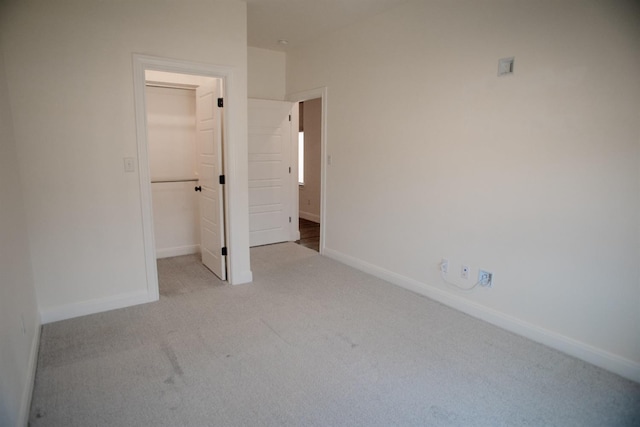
x,y
309,234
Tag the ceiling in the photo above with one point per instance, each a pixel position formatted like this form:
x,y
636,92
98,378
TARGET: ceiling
x,y
300,21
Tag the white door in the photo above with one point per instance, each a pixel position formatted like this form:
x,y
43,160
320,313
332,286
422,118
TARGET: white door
x,y
209,137
270,172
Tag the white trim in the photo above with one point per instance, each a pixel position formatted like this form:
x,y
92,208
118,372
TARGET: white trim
x,y
309,216
243,277
177,251
25,405
144,177
322,93
84,308
294,229
603,359
141,63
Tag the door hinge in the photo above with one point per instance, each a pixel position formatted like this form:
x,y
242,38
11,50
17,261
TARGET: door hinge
x,y
224,251
289,117
198,188
289,219
220,102
289,169
221,179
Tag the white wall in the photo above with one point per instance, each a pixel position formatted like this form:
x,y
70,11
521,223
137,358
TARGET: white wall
x,y
171,133
19,320
534,176
171,138
266,77
309,197
69,72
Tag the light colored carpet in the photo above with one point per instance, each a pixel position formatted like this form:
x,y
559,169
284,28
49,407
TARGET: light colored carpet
x,y
311,342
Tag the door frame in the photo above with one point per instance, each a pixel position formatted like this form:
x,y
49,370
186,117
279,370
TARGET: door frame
x,y
322,93
238,270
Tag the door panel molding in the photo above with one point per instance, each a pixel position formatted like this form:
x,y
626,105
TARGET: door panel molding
x,y
210,167
271,171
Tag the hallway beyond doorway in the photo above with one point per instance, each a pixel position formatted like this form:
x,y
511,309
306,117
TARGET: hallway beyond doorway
x,y
309,234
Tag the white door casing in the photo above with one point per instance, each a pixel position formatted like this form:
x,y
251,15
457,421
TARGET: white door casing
x,y
236,209
209,143
271,172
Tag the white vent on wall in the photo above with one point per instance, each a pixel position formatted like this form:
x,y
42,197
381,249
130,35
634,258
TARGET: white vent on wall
x,y
505,66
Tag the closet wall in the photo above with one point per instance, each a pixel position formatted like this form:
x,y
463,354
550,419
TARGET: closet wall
x,y
171,127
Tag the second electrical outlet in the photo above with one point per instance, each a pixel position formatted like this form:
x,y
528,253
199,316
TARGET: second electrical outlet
x,y
464,271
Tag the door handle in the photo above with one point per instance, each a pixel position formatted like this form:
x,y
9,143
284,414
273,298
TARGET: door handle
x,y
198,188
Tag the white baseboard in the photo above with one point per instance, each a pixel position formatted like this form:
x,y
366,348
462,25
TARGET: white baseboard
x,y
309,216
177,251
28,391
242,278
601,358
84,308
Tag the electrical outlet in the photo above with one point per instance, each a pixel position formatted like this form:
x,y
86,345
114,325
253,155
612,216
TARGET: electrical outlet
x,y
444,266
485,278
464,271
129,164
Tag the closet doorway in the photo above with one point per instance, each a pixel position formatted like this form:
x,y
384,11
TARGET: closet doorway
x,y
185,151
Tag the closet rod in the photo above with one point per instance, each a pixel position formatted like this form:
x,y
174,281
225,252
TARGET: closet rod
x,y
176,180
171,86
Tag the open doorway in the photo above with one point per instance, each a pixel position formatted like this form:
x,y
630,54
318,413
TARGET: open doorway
x,y
313,216
184,144
237,259
309,172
